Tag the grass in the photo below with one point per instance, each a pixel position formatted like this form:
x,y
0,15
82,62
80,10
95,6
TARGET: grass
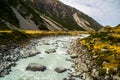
x,y
12,36
9,36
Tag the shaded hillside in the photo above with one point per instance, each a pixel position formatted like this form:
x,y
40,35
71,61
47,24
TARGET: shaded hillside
x,y
43,15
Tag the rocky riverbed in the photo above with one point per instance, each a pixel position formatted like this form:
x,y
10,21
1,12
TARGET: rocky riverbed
x,y
11,53
50,48
81,59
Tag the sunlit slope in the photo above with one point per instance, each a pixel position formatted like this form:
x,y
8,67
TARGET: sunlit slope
x,y
105,45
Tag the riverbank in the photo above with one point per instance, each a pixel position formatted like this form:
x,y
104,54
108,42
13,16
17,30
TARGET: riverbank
x,y
11,53
98,56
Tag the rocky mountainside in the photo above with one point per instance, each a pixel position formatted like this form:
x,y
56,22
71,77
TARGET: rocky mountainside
x,y
43,15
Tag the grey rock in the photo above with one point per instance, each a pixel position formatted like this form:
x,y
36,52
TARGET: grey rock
x,y
33,54
36,67
74,56
60,69
50,51
69,78
116,78
4,72
75,74
13,64
1,56
46,43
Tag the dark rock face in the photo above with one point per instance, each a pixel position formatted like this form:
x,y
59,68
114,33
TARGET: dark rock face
x,y
60,69
35,67
50,51
45,14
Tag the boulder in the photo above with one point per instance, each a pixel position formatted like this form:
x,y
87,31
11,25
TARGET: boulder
x,y
75,74
46,43
50,51
74,56
1,56
60,69
4,72
35,67
69,78
116,77
33,54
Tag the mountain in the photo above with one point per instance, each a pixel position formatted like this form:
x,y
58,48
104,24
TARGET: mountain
x,y
43,15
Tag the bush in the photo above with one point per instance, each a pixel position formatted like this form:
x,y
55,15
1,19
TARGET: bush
x,y
102,72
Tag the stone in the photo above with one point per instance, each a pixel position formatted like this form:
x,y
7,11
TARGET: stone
x,y
8,58
75,74
104,50
46,44
13,64
69,78
35,67
94,73
15,58
4,72
74,56
60,69
33,54
1,56
50,51
116,78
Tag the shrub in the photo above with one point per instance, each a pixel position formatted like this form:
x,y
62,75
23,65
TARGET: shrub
x,y
102,72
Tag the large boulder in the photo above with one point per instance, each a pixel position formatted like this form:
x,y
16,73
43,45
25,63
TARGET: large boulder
x,y
60,69
50,51
35,67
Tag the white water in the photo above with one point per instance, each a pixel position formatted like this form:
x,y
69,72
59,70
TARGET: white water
x,y
51,61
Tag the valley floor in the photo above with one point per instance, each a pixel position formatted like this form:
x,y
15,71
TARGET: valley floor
x,y
95,57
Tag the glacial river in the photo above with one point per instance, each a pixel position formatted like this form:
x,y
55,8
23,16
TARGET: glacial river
x,y
51,61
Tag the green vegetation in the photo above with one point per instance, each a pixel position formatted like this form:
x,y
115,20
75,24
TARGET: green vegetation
x,y
7,14
105,44
102,72
9,36
12,37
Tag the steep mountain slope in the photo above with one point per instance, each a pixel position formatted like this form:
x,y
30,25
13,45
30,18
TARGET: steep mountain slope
x,y
43,15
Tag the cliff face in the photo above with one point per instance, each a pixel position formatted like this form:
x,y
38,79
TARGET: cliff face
x,y
43,15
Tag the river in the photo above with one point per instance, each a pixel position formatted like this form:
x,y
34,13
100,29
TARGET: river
x,y
51,61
